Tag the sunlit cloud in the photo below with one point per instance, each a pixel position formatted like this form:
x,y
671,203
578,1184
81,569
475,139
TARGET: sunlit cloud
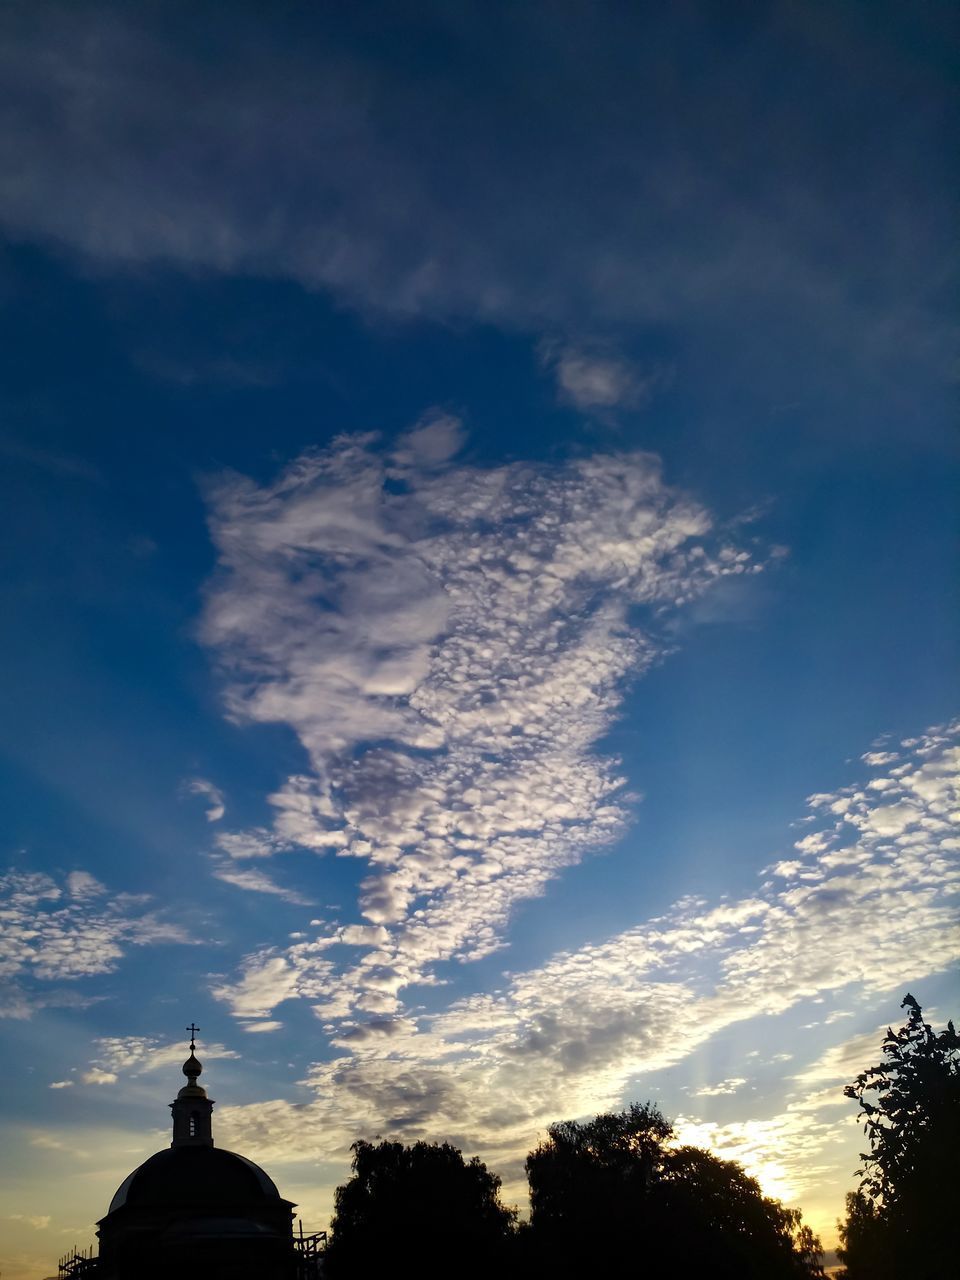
x,y
449,643
49,933
117,1057
570,1037
721,1089
39,1221
96,1075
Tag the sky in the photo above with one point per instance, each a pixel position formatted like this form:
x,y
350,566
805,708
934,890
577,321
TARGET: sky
x,y
479,499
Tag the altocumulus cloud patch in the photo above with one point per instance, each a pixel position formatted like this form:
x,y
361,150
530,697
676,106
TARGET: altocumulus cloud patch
x,y
51,932
449,643
569,1038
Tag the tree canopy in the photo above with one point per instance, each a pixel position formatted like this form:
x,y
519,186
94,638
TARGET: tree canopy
x,y
423,1203
901,1219
611,1194
608,1196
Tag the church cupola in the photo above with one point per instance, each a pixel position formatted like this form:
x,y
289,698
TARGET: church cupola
x,y
192,1110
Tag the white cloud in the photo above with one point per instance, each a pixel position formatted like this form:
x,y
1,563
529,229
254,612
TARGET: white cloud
x,y
60,1084
593,1026
449,643
82,885
216,807
48,935
255,881
363,935
39,1221
838,1064
787,1154
596,378
255,843
269,978
721,1089
433,441
126,1056
97,1076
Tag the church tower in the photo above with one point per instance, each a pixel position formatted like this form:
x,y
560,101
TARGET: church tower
x,y
196,1209
192,1110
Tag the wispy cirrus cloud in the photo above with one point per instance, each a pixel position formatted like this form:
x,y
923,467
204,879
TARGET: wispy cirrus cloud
x,y
255,881
449,643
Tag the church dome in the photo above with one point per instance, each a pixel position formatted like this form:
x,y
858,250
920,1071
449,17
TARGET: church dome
x,y
199,1176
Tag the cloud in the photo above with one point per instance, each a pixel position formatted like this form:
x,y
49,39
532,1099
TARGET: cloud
x,y
82,885
60,1084
256,843
837,1065
203,787
787,1154
434,440
270,977
49,935
620,197
575,1035
596,379
124,1056
449,643
721,1089
96,1076
38,1221
255,881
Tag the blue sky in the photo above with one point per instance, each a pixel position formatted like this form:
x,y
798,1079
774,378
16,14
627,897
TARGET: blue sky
x,y
479,493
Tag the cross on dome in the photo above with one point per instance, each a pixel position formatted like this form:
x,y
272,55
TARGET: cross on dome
x,y
192,1068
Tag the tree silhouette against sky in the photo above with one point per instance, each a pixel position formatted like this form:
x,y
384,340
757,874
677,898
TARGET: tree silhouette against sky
x,y
611,1196
422,1204
901,1221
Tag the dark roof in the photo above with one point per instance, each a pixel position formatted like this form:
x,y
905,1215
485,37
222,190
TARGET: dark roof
x,y
195,1176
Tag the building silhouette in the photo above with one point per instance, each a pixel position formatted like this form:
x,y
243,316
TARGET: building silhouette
x,y
195,1209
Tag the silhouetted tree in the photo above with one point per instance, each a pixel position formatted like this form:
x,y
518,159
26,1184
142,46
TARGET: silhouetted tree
x,y
422,1206
863,1245
596,1172
722,1225
610,1195
901,1221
